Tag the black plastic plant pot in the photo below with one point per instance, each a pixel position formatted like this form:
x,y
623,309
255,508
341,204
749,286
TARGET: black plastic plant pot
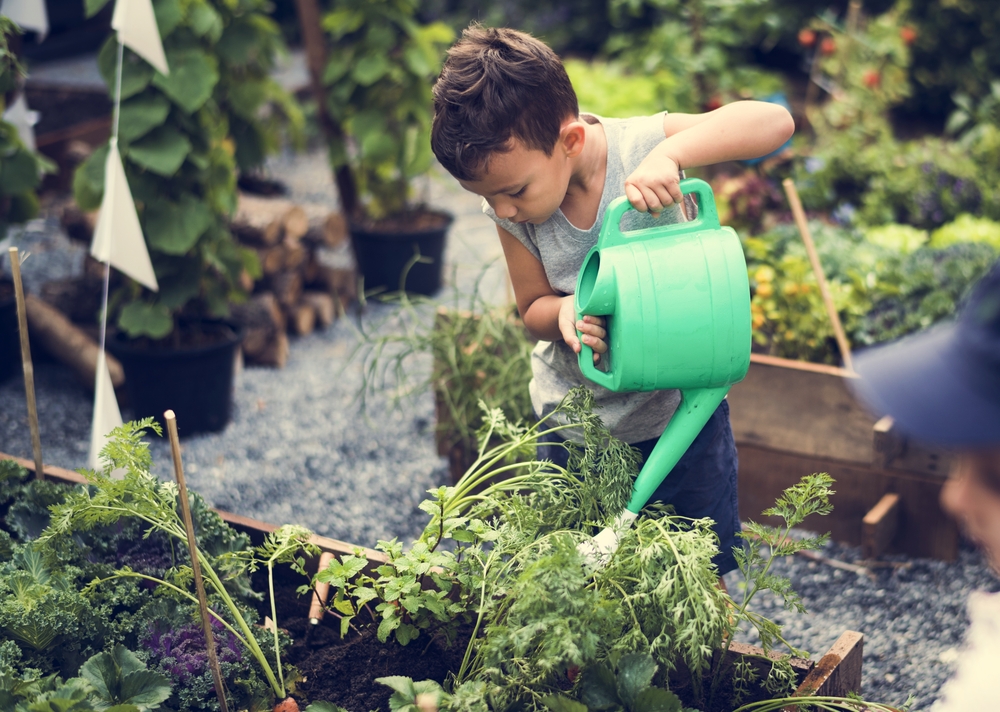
x,y
383,256
10,345
195,382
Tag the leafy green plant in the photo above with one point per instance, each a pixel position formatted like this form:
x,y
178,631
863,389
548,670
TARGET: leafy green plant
x,y
626,684
21,170
382,63
140,495
611,89
120,678
174,139
115,680
705,45
884,284
511,568
967,228
480,352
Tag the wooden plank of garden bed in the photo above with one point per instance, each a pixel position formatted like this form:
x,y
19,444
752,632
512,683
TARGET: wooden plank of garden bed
x,y
839,671
924,529
237,521
809,409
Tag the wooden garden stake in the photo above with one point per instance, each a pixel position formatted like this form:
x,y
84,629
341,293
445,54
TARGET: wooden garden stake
x,y
322,592
199,584
824,289
29,369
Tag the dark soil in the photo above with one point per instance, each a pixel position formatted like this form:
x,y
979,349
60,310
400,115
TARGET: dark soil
x,y
416,220
193,335
343,671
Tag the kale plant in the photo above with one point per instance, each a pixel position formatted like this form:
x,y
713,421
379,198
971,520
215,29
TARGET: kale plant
x,y
140,495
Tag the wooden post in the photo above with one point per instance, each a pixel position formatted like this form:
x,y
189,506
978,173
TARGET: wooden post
x,y
199,584
310,23
824,289
879,526
26,364
887,444
838,672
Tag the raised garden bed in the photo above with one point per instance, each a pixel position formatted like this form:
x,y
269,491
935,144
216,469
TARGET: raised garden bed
x,y
343,671
791,417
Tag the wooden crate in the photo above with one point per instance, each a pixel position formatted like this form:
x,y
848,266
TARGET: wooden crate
x,y
792,418
836,673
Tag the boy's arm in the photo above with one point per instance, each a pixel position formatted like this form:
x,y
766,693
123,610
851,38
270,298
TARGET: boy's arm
x,y
737,131
547,314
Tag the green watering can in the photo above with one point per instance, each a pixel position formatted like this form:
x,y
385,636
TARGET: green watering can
x,y
677,304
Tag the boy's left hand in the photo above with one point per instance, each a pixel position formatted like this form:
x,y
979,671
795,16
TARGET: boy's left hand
x,y
655,184
593,335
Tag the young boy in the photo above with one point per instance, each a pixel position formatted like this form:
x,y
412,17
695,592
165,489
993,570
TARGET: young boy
x,y
943,386
507,126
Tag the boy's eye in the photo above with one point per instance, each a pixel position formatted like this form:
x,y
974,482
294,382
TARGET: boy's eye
x,y
519,193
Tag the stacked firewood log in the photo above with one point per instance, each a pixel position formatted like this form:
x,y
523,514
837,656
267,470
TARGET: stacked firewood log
x,y
297,291
307,279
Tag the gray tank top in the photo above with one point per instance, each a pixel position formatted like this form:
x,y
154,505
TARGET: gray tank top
x,y
561,248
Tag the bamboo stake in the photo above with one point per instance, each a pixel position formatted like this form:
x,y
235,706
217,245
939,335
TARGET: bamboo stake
x,y
26,364
213,660
824,289
322,592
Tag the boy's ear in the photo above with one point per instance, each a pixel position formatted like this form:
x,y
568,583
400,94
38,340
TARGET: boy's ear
x,y
572,136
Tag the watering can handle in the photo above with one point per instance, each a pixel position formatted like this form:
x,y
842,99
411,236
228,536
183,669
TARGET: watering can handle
x,y
708,217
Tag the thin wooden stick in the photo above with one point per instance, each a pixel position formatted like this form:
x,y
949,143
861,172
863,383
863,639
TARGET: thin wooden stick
x,y
199,584
824,289
322,591
26,364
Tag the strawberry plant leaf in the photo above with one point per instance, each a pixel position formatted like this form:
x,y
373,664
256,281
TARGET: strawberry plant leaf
x,y
598,689
399,683
635,673
561,703
655,699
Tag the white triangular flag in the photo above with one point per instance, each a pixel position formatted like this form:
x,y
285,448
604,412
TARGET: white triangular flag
x,y
107,417
135,22
118,236
23,119
28,14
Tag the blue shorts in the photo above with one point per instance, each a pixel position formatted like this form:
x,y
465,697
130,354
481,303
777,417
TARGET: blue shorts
x,y
702,484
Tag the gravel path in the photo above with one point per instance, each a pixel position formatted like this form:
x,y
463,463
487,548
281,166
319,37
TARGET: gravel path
x,y
299,450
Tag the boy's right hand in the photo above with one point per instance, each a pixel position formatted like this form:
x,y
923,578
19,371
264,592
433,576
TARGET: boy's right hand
x,y
591,328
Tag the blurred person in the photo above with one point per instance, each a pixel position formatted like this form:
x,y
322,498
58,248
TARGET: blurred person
x,y
943,386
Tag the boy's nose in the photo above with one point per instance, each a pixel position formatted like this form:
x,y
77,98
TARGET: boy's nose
x,y
506,211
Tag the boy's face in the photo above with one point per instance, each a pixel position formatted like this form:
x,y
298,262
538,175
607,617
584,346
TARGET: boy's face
x,y
972,496
525,185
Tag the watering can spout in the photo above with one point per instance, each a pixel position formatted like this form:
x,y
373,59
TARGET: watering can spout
x,y
696,407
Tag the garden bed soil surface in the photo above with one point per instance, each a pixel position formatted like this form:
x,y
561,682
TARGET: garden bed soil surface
x,y
344,670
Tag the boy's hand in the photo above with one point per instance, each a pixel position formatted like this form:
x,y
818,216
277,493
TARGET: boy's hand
x,y
655,184
592,328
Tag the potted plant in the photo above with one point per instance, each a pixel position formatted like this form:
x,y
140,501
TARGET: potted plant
x,y
174,138
381,66
20,174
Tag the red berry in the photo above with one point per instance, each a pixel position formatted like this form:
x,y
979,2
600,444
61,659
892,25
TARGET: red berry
x,y
714,103
871,78
908,34
807,38
828,45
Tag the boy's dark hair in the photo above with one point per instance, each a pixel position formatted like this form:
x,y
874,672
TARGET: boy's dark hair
x,y
498,84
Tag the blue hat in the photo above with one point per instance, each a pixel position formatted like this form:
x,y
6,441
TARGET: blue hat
x,y
942,386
